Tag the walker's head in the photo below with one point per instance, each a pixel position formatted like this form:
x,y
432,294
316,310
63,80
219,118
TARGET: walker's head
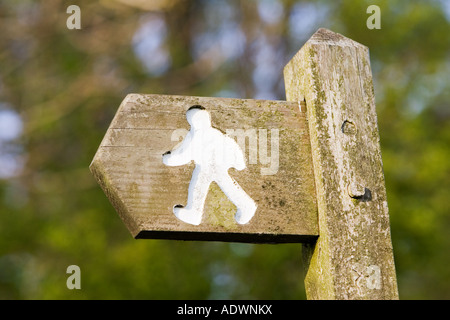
x,y
198,117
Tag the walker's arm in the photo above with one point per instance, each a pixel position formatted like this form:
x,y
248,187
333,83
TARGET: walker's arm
x,y
181,155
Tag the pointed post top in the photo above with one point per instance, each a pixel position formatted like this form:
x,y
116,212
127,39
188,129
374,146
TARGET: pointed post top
x,y
325,36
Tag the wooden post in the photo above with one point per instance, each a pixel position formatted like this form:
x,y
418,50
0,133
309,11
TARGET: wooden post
x,y
353,256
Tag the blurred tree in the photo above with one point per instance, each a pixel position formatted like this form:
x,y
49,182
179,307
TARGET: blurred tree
x,y
60,88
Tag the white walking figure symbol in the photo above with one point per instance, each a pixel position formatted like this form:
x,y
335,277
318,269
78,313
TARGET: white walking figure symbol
x,y
213,154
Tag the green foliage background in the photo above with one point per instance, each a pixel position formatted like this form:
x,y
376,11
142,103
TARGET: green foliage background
x,y
67,84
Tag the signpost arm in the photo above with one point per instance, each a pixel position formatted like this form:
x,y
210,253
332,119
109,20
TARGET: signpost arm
x,y
353,256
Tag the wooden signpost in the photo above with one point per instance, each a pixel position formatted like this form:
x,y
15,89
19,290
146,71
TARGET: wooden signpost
x,y
305,170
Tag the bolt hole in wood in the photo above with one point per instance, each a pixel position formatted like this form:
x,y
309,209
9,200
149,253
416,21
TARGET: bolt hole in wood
x,y
348,127
364,196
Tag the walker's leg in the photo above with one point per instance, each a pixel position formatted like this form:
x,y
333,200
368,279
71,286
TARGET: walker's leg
x,y
198,190
246,207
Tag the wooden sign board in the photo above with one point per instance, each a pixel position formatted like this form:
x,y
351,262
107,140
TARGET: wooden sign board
x,y
146,192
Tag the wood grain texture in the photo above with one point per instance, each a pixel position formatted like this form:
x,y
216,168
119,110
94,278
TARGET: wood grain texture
x,y
353,256
128,166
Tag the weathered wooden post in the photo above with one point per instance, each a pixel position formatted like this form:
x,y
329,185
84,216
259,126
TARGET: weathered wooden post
x,y
353,256
307,170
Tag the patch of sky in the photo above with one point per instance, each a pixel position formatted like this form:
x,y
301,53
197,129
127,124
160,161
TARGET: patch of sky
x,y
268,68
445,4
305,18
11,126
221,33
270,11
149,44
